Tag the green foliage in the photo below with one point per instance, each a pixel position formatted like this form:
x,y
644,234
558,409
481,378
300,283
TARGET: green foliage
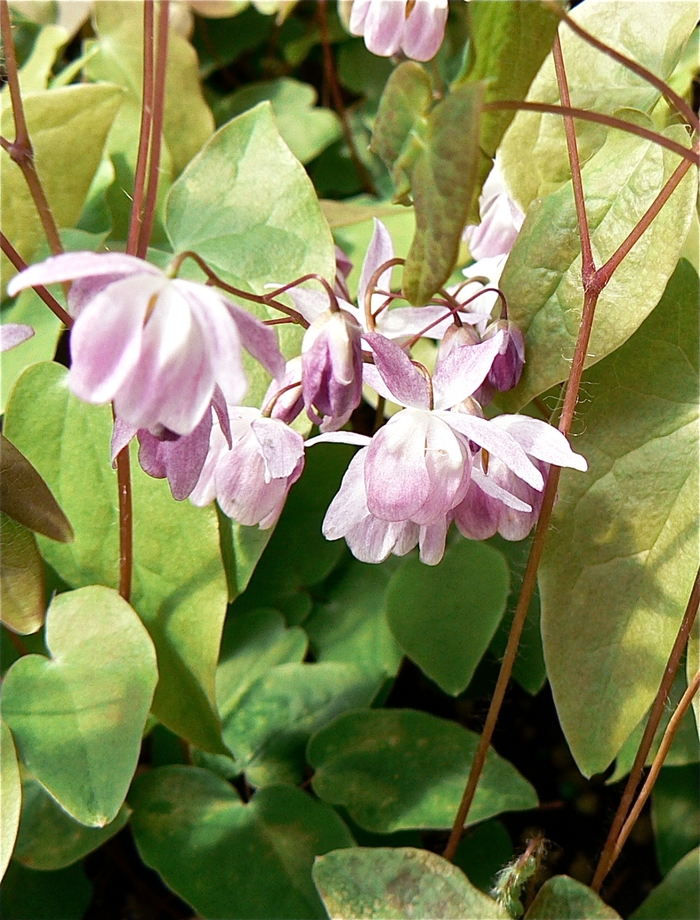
x,y
11,796
622,555
32,895
21,577
395,769
382,883
563,898
444,617
675,814
230,859
78,728
678,895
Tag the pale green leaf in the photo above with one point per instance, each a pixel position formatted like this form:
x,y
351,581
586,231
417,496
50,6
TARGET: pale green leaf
x,y
563,898
10,798
78,726
21,578
623,550
381,883
533,153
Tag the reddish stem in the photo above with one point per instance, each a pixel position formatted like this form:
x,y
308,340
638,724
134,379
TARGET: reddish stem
x,y
19,263
126,523
145,130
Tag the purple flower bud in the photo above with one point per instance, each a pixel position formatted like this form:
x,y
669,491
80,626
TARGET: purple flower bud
x,y
284,395
332,369
455,336
508,364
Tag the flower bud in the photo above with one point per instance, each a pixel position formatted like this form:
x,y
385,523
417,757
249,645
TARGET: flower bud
x,y
508,364
331,363
455,336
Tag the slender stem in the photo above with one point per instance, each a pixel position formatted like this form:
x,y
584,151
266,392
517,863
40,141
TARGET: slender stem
x,y
156,128
587,261
126,523
145,130
609,855
662,753
331,77
677,101
21,151
19,263
597,118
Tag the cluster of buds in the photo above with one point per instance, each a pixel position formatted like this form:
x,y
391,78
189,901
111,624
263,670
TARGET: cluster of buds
x,y
167,353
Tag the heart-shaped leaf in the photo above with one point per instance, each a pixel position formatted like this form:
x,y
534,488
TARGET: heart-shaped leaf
x,y
563,898
381,883
678,895
228,859
10,796
77,718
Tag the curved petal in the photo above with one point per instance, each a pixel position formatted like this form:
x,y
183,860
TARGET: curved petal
x,y
12,334
311,304
383,26
349,506
281,447
373,540
463,371
379,251
68,266
477,515
493,490
541,440
257,338
397,480
432,541
424,30
107,337
405,382
448,462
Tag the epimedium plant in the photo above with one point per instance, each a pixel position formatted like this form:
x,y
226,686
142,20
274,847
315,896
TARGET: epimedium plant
x,y
206,602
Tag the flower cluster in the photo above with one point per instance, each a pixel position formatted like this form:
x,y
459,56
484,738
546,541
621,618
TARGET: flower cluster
x,y
167,353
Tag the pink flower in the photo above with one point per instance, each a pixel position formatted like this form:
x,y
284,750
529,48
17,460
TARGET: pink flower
x,y
250,478
415,27
153,346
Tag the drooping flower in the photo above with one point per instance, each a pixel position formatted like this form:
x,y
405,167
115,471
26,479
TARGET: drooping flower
x,y
153,346
250,478
415,27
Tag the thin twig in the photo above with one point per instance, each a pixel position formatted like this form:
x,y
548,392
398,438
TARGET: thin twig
x,y
607,858
145,130
156,128
677,101
332,78
126,523
662,753
21,151
596,117
19,263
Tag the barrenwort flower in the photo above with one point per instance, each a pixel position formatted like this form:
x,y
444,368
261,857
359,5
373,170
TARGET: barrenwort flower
x,y
415,27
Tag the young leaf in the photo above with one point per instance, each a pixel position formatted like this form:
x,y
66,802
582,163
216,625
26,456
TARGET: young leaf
x,y
49,838
381,883
622,553
21,578
445,616
542,277
228,859
25,496
11,796
396,769
533,153
563,898
179,593
78,717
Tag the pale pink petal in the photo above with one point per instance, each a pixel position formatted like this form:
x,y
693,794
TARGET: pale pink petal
x,y
432,541
358,15
397,480
281,447
538,439
448,462
349,506
311,304
463,370
12,334
379,251
107,336
384,25
340,437
493,490
257,338
477,515
180,459
424,29
72,265
122,434
406,383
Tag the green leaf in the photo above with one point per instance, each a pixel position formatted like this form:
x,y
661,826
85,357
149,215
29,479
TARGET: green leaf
x,y
25,496
542,277
180,594
379,883
306,129
35,72
268,730
396,769
444,616
675,814
350,623
30,895
60,122
49,838
622,552
678,896
78,726
252,644
484,850
563,898
228,859
442,167
21,578
533,153
10,796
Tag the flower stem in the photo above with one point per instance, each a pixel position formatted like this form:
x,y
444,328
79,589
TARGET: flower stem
x,y
145,130
161,70
612,844
19,263
126,523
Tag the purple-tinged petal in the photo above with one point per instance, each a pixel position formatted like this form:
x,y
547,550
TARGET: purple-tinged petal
x,y
284,394
122,434
373,540
397,480
407,385
349,505
69,266
180,459
512,523
257,338
383,26
281,447
538,439
477,515
489,436
219,406
311,304
463,370
448,462
12,334
493,490
107,337
424,29
410,321
379,251
432,541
